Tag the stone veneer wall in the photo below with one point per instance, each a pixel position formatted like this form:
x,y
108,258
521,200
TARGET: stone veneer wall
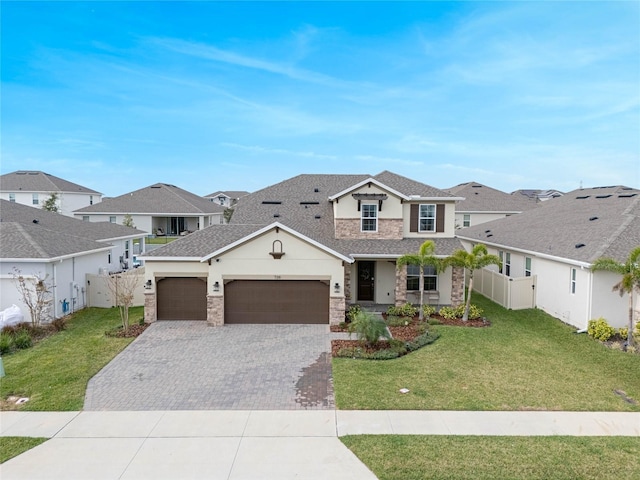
x,y
215,310
347,282
457,286
150,314
336,310
401,286
349,228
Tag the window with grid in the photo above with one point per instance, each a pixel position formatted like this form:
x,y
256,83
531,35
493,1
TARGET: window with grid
x,y
573,280
12,197
527,266
466,220
427,218
413,278
369,218
34,199
507,264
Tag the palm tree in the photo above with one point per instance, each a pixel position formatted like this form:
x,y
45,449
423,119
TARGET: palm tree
x,y
424,258
476,259
630,271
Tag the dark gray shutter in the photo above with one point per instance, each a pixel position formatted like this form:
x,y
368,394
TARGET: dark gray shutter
x,y
440,217
413,218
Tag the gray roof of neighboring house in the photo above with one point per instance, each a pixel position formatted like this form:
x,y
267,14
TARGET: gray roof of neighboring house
x,y
157,199
36,181
234,194
27,232
480,198
537,194
581,225
302,204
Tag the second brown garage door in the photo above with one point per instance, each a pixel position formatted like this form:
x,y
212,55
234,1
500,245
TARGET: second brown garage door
x,y
276,301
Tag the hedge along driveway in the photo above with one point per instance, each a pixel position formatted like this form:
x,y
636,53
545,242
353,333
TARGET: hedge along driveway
x,y
527,360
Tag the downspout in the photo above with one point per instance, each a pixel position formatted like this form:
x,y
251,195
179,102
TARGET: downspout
x,y
55,293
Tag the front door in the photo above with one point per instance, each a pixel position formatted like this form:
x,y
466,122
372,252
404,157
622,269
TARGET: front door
x,y
366,272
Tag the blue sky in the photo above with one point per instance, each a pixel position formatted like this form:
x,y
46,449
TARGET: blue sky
x,y
213,96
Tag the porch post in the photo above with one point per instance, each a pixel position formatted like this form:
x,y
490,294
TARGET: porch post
x,y
401,286
457,286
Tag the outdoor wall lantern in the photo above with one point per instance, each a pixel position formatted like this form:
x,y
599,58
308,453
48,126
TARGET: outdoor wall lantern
x,y
147,285
216,287
336,288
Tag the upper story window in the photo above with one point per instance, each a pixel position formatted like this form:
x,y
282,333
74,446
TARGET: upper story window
x,y
507,264
369,217
466,220
90,199
112,219
527,266
427,219
12,197
573,280
85,218
413,278
34,199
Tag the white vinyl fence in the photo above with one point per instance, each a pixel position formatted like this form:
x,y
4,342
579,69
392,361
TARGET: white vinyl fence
x,y
512,293
98,294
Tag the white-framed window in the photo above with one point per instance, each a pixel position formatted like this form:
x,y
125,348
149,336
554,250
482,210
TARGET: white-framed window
x,y
574,272
507,264
112,219
369,217
413,278
109,257
126,249
12,197
34,199
90,199
85,218
501,257
527,266
427,218
466,220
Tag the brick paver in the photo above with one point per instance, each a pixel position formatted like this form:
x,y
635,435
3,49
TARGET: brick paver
x,y
187,365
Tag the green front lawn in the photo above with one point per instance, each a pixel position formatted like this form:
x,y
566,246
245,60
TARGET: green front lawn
x,y
13,446
412,457
527,360
54,373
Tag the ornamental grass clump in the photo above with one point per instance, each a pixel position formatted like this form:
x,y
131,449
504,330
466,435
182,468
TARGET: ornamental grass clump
x,y
369,328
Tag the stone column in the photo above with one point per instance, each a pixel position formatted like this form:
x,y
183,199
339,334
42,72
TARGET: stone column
x,y
347,282
336,310
150,313
401,286
457,286
215,310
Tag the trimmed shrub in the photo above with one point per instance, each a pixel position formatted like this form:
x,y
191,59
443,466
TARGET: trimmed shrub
x,y
458,312
353,311
406,310
623,331
600,329
428,310
5,343
447,312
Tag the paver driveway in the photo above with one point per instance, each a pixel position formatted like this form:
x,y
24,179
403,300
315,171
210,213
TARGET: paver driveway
x,y
187,365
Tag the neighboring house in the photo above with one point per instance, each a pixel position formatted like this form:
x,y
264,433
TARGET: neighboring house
x,y
226,199
304,249
63,248
559,241
482,204
159,209
33,188
538,195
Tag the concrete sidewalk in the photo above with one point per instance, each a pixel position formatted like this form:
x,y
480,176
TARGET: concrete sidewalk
x,y
266,444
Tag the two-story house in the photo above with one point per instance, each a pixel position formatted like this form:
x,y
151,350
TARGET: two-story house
x,y
304,249
227,198
34,188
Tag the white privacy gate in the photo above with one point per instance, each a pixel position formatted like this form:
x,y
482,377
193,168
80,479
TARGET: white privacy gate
x,y
98,294
512,293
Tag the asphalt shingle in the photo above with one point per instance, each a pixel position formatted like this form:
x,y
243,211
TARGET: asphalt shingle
x,y
36,181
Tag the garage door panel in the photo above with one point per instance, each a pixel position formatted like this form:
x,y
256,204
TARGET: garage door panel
x,y
276,301
182,299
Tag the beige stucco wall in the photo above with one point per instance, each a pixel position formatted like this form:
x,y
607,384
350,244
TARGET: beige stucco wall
x,y
449,220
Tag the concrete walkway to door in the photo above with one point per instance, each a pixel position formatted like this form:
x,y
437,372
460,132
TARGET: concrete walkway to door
x,y
188,365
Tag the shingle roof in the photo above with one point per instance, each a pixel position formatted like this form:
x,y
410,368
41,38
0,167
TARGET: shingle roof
x,y
302,204
19,241
27,232
229,193
582,225
160,198
36,181
480,198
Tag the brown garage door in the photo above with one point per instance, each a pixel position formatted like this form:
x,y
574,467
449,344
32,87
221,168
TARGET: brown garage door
x,y
276,301
182,299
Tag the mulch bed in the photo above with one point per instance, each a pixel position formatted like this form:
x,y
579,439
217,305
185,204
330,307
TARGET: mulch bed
x,y
404,333
132,332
